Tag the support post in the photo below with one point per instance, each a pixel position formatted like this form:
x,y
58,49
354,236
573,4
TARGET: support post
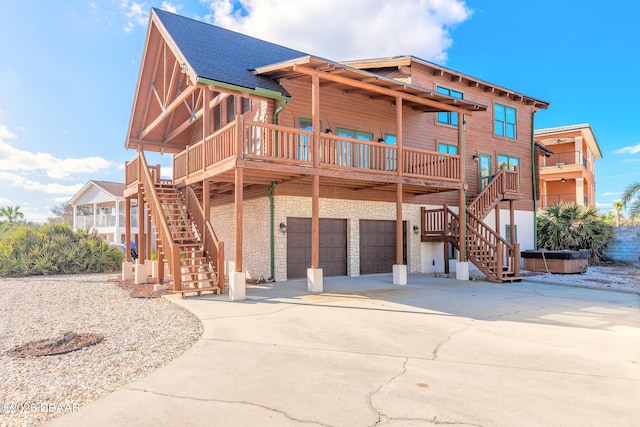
x,y
445,232
148,233
315,280
399,268
127,228
462,267
141,230
237,279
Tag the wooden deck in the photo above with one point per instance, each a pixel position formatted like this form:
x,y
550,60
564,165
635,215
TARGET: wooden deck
x,y
269,152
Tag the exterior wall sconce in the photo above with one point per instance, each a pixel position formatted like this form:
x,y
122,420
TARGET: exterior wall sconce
x,y
283,228
183,68
475,158
328,131
564,180
416,229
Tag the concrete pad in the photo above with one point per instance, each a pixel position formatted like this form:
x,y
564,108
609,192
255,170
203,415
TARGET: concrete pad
x,y
314,280
237,286
399,274
462,271
364,352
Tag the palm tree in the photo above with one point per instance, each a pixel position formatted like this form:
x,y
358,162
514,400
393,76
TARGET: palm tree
x,y
631,198
618,205
11,213
573,227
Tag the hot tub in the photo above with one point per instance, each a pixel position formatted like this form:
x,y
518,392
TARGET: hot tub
x,y
564,262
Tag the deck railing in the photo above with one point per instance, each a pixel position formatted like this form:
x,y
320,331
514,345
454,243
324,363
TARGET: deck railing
x,y
285,145
505,181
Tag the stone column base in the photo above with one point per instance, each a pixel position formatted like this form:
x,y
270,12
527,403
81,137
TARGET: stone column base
x,y
140,274
315,282
237,286
399,274
127,270
462,270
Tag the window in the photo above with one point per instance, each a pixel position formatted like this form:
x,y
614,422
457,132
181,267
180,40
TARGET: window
x,y
304,141
231,108
505,121
485,170
507,231
510,162
354,155
246,105
447,117
217,118
390,154
447,148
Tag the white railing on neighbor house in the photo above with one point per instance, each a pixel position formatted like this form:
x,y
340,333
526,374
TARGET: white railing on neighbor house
x,y
88,221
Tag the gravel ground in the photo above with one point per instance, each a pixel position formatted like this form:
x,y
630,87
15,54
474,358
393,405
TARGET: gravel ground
x,y
621,277
140,335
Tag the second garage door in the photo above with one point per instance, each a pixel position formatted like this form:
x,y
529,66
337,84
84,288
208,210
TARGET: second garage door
x,y
378,246
333,247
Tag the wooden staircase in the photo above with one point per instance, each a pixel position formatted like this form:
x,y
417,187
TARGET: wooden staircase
x,y
185,238
197,269
497,258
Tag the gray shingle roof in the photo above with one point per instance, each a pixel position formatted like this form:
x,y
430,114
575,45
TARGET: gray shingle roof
x,y
225,56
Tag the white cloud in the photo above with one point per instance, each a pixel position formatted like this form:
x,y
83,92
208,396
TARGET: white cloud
x,y
632,149
136,14
609,193
14,159
166,172
16,180
5,133
347,29
170,7
4,201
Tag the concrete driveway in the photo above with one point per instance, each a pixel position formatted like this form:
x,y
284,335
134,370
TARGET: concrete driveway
x,y
366,352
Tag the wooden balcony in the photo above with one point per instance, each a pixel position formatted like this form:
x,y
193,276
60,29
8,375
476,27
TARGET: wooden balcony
x,y
269,152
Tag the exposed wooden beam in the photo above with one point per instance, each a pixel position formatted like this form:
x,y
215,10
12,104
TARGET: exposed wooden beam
x,y
380,90
170,108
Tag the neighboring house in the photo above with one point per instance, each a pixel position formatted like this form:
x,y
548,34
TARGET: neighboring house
x,y
568,172
100,206
296,166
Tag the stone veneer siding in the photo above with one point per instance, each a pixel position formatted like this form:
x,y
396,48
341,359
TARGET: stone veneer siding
x,y
256,230
625,244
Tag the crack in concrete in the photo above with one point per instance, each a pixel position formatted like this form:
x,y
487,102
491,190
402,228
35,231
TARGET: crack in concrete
x,y
370,396
241,402
447,339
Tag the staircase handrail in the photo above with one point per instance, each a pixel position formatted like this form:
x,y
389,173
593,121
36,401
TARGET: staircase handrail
x,y
173,252
213,248
505,181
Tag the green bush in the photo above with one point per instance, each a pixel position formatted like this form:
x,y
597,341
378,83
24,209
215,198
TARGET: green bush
x,y
573,227
27,250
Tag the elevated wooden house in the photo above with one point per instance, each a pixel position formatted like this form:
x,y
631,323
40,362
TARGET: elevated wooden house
x,y
288,165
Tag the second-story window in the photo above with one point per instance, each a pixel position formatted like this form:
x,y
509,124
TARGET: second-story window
x,y
231,108
505,121
447,148
446,117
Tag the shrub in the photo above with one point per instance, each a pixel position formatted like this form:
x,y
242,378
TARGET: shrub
x,y
573,227
54,249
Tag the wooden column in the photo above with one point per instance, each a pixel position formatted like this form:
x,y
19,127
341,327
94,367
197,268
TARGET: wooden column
x,y
445,228
315,191
206,124
498,218
462,197
239,195
512,220
399,236
148,234
400,163
127,228
141,222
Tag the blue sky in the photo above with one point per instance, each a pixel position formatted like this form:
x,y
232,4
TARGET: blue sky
x,y
68,72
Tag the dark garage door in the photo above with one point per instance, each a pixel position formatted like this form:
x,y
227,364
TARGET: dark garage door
x,y
333,247
378,246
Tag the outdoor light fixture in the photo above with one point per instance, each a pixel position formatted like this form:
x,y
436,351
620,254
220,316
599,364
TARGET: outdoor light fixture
x,y
564,180
283,228
328,131
416,229
475,158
